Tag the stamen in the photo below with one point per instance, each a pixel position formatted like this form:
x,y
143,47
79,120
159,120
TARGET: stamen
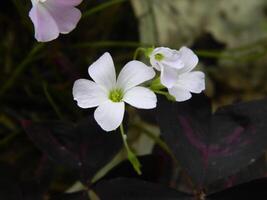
x,y
116,95
159,57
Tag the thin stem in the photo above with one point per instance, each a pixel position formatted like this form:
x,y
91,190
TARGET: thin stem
x,y
51,101
105,169
131,156
102,7
156,139
166,148
137,51
124,138
227,54
5,142
30,57
21,9
109,43
166,94
160,92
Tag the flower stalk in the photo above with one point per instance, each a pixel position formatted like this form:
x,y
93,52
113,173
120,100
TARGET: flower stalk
x,y
138,51
131,156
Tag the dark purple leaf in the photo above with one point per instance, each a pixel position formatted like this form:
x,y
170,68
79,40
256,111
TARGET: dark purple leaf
x,y
133,189
9,184
13,188
210,147
83,195
256,170
84,147
45,134
154,169
253,190
148,115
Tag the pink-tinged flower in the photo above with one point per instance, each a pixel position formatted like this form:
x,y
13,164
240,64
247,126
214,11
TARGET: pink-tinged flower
x,y
187,81
169,62
51,17
109,94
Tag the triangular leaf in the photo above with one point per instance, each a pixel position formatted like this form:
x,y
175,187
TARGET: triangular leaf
x,y
253,190
84,147
210,147
132,189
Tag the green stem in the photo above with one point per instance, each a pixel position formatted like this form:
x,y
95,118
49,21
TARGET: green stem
x,y
22,10
102,7
30,57
227,54
166,94
131,156
156,84
160,92
109,43
51,101
137,51
156,139
166,148
5,142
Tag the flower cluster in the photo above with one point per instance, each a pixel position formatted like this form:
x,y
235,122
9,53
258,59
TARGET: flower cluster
x,y
109,94
176,71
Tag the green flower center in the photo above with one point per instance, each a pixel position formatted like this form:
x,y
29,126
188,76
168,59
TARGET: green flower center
x,y
116,95
159,57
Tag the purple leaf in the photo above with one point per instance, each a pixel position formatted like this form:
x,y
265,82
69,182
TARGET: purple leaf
x,y
213,146
12,187
84,147
253,190
83,195
154,169
132,189
9,184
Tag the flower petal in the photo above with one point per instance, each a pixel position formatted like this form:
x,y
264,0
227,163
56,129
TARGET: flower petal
x,y
109,115
168,76
179,93
45,27
66,17
140,97
189,58
171,58
192,81
88,94
160,50
103,72
133,74
68,2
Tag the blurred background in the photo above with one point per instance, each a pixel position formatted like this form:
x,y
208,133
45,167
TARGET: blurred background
x,y
229,36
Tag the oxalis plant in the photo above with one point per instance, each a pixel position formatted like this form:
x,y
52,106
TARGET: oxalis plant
x,y
200,153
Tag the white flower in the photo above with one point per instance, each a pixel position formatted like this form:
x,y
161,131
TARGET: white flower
x,y
170,61
187,81
51,17
108,94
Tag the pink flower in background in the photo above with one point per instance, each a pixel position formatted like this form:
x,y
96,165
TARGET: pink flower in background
x,y
51,17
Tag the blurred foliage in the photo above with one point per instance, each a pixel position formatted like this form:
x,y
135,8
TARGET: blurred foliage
x,y
233,32
232,23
